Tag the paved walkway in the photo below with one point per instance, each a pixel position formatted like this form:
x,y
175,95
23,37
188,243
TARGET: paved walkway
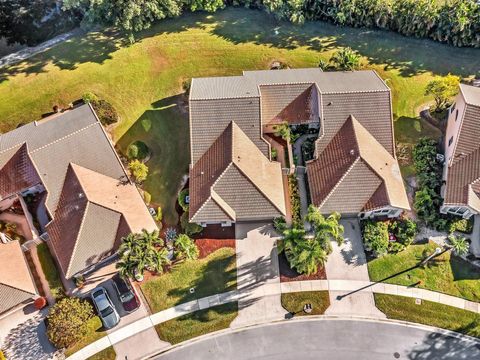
x,y
23,54
348,263
315,285
258,278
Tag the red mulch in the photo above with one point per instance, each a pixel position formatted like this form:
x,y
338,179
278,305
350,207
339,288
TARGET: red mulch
x,y
288,274
208,246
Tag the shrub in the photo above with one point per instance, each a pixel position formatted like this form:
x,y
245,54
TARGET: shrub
x,y
443,89
280,224
67,321
294,201
186,86
185,248
395,247
375,237
404,230
182,197
137,150
346,59
170,235
189,228
459,224
105,111
273,154
89,97
159,215
139,170
147,197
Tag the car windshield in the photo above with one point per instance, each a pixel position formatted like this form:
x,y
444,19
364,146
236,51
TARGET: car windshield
x,y
97,293
107,311
126,297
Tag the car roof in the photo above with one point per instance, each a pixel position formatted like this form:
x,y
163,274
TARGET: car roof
x,y
121,284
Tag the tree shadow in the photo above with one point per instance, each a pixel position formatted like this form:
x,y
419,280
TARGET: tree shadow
x,y
28,341
93,47
462,270
407,55
440,346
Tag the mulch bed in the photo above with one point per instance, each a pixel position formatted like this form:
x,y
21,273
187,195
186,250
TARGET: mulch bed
x,y
208,246
217,232
288,274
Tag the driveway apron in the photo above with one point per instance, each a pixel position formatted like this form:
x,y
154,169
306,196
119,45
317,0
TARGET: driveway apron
x,y
348,262
258,279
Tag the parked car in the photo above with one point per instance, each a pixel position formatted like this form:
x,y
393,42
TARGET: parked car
x,y
126,294
105,308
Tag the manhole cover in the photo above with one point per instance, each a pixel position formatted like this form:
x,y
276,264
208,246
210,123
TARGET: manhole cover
x,y
396,355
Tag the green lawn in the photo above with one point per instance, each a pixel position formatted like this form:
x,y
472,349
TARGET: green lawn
x,y
95,332
197,323
294,302
143,80
447,274
50,270
106,354
429,313
212,275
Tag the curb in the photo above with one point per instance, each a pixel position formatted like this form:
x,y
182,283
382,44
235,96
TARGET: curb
x,y
407,324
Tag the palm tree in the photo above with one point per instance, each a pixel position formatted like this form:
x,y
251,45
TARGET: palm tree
x,y
138,252
346,59
304,255
185,248
326,229
458,245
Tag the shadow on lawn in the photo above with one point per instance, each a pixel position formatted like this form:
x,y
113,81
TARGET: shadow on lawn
x,y
439,346
93,47
407,55
462,270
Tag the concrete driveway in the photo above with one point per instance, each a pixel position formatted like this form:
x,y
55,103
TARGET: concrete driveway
x,y
23,335
348,262
139,345
257,274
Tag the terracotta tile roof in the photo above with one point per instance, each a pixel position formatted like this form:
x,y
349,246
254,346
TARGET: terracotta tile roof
x,y
16,282
354,157
18,173
294,103
235,177
463,173
91,209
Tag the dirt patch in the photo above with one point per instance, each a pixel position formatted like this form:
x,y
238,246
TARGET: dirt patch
x,y
159,61
288,274
208,246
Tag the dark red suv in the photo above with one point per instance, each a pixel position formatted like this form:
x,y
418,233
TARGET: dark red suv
x,y
126,294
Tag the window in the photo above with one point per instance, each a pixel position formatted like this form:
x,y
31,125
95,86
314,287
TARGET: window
x,y
456,115
450,141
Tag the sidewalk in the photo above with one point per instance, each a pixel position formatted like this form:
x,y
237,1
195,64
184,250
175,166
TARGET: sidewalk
x,y
342,286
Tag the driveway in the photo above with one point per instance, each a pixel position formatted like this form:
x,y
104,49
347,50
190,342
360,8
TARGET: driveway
x,y
329,339
23,335
257,274
139,345
348,262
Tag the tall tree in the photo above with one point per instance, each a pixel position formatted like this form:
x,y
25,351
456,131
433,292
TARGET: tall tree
x,y
443,89
346,59
326,229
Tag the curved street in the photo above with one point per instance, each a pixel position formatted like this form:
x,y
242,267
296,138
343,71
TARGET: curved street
x,y
330,339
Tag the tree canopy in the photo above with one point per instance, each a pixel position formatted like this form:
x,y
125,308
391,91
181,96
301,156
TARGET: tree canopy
x,y
443,89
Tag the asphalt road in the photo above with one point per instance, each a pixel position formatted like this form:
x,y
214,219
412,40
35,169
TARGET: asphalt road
x,y
330,340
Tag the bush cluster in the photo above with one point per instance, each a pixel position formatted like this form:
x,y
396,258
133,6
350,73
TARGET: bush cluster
x,y
137,150
294,201
429,181
461,225
182,197
105,111
189,228
376,235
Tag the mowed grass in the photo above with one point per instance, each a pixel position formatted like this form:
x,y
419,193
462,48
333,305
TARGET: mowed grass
x,y
214,274
429,313
143,80
197,323
294,302
50,271
95,331
105,354
447,273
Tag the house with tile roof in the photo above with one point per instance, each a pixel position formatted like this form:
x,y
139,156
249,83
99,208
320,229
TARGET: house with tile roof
x,y
232,119
461,175
86,200
17,287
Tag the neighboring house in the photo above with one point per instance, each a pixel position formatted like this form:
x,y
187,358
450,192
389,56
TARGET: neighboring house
x,y
17,287
461,174
86,201
232,175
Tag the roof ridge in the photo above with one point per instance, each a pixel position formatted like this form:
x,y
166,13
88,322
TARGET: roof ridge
x,y
229,211
340,181
76,239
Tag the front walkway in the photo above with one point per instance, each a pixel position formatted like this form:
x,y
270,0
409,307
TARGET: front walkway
x,y
258,278
348,263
